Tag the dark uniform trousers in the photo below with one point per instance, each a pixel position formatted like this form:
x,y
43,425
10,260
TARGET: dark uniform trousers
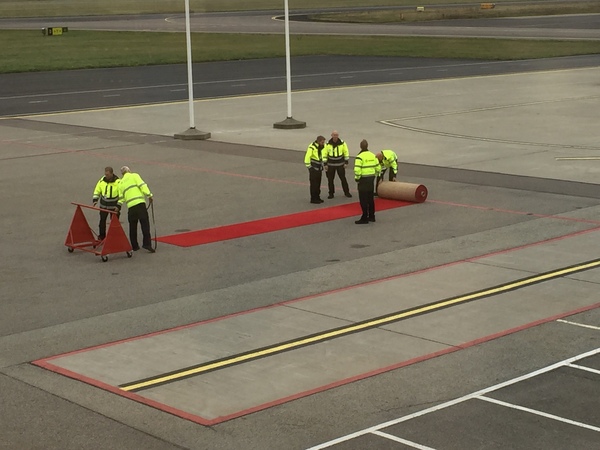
x,y
139,213
103,216
102,225
341,171
314,177
366,191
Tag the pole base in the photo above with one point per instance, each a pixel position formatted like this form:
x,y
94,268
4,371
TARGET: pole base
x,y
289,124
192,134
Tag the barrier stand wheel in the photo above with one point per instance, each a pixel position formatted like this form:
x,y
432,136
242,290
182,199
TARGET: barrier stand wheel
x,y
104,258
129,254
70,249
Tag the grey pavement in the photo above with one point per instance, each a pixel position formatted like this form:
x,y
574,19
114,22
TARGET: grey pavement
x,y
513,124
511,165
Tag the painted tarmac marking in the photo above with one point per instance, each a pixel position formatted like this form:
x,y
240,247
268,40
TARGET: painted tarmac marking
x,y
538,413
583,325
587,369
577,158
195,370
456,401
484,139
391,437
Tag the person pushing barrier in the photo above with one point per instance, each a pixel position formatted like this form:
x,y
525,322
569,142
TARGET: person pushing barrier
x,y
107,193
133,193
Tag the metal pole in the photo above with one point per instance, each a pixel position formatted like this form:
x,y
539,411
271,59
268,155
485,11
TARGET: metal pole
x,y
188,39
288,70
191,132
289,122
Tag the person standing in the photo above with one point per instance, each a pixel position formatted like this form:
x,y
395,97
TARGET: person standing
x,y
388,160
314,162
366,170
107,193
133,193
335,160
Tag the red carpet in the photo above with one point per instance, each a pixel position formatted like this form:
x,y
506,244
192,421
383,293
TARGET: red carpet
x,y
238,230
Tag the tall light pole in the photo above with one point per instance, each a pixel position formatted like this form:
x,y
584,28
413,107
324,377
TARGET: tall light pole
x,y
289,122
191,132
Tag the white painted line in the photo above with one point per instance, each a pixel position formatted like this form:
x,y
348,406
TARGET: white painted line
x,y
346,78
238,85
391,437
577,158
484,391
111,95
539,413
583,325
39,101
178,90
587,369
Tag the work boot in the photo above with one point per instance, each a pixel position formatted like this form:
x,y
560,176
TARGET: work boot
x,y
330,196
361,221
348,194
372,219
149,248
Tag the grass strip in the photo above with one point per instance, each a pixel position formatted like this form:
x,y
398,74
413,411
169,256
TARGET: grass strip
x,y
61,8
26,51
473,11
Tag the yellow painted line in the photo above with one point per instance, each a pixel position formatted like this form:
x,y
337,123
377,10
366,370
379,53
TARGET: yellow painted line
x,y
277,348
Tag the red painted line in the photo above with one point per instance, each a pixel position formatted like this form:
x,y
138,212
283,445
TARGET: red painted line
x,y
511,211
272,224
115,390
208,422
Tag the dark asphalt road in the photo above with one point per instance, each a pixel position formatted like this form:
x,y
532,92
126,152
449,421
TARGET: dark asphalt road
x,y
43,92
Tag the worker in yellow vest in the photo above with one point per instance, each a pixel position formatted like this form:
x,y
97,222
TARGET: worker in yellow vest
x,y
366,170
107,193
133,193
335,160
313,160
388,160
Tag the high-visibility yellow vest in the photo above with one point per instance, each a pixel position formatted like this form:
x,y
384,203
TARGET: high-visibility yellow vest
x,y
366,164
336,153
390,160
314,157
133,190
107,192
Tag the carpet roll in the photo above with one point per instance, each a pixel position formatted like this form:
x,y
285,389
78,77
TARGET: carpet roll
x,y
407,192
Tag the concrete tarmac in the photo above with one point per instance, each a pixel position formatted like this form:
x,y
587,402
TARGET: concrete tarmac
x,y
510,224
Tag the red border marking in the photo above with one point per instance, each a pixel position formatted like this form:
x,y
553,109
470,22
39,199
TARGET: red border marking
x,y
208,422
44,362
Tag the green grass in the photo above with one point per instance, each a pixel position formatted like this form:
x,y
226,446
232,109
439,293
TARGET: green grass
x,y
23,51
460,12
49,8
